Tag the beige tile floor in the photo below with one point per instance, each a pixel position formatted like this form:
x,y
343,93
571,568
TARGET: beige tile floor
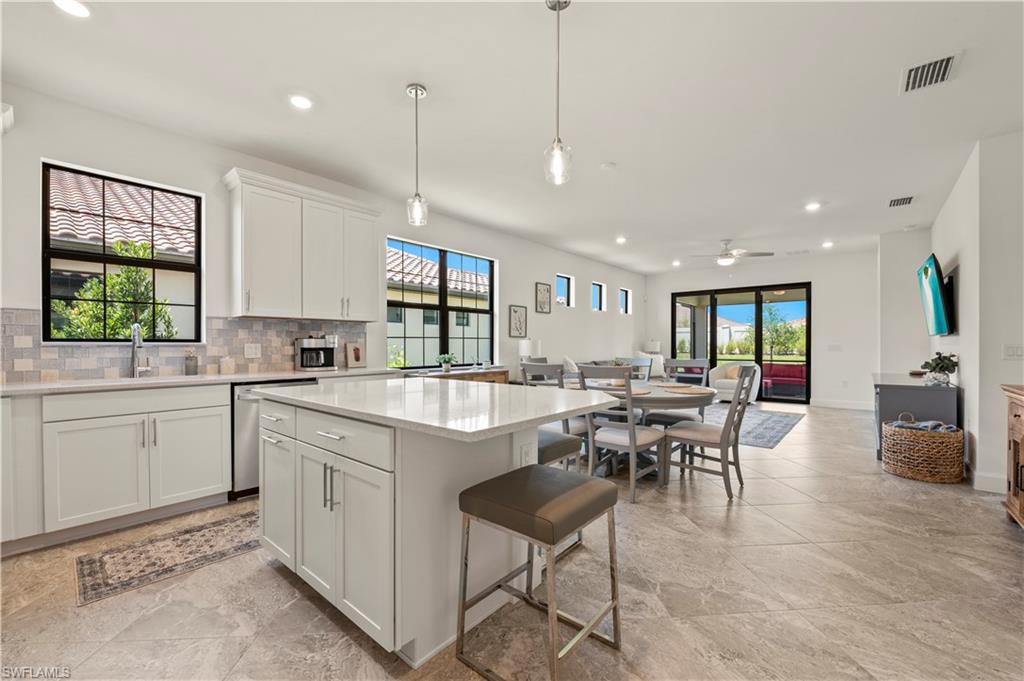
x,y
823,567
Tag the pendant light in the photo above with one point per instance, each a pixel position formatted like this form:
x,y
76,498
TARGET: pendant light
x,y
557,157
417,205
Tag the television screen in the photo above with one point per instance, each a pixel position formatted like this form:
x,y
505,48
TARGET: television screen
x,y
934,295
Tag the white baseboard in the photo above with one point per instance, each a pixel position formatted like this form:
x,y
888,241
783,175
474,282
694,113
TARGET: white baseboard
x,y
843,404
984,482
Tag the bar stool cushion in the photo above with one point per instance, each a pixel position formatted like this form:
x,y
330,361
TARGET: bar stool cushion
x,y
553,446
577,426
698,432
543,503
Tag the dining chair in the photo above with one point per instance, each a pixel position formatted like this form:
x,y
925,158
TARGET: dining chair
x,y
623,435
641,366
553,375
690,435
692,369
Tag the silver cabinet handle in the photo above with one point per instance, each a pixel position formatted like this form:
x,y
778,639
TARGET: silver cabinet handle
x,y
248,300
325,484
332,436
154,431
270,440
269,417
333,503
143,443
341,301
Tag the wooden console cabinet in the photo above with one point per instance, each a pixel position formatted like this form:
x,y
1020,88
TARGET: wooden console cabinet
x,y
1015,453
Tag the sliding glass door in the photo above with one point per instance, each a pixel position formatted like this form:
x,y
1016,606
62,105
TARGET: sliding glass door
x,y
769,325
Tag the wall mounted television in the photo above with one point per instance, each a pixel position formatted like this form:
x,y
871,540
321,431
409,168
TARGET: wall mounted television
x,y
937,297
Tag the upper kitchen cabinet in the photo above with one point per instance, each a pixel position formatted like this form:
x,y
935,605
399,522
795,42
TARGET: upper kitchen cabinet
x,y
299,252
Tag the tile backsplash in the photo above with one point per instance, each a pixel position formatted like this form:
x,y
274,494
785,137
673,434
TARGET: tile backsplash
x,y
27,360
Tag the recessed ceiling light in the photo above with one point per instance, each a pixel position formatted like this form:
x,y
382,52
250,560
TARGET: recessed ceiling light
x,y
301,102
827,244
676,263
620,240
812,207
73,7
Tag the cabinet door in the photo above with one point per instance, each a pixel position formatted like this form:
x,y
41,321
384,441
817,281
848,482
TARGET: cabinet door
x,y
7,469
94,469
366,548
277,496
315,519
362,268
323,260
271,253
189,454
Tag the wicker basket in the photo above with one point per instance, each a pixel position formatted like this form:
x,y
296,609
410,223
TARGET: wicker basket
x,y
923,455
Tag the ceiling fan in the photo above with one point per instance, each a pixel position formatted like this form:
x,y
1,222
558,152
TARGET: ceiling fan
x,y
727,256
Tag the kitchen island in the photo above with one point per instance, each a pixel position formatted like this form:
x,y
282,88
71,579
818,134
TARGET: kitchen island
x,y
359,493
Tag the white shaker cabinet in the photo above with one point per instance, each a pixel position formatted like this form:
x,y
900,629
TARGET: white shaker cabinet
x,y
300,252
365,543
363,269
277,496
315,535
190,454
323,256
269,233
95,469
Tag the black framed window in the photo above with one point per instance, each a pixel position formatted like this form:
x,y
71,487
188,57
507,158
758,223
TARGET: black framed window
x,y
439,302
118,252
625,301
598,302
565,293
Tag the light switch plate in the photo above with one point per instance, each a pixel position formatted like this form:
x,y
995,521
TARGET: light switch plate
x,y
1013,352
252,350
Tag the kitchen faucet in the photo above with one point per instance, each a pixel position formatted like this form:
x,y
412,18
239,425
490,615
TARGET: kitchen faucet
x,y
137,369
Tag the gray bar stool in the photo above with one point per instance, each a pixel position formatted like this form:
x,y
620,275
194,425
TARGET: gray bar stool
x,y
553,447
541,505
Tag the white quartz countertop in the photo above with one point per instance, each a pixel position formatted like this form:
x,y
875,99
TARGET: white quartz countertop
x,y
100,384
469,411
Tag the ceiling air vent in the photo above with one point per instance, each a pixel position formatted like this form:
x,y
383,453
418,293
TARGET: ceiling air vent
x,y
930,73
902,201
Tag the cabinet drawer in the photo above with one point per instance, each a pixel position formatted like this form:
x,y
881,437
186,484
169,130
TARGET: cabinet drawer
x,y
280,418
370,444
134,401
1016,422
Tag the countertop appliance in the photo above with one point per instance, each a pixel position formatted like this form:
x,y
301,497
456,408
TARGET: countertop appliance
x,y
316,353
245,450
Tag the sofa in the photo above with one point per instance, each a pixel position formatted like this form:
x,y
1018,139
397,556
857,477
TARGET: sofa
x,y
788,379
726,387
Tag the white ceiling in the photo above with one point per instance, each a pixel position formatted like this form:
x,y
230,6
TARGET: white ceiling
x,y
723,120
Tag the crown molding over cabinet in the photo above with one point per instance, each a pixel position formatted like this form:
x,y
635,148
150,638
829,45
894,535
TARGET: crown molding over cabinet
x,y
298,252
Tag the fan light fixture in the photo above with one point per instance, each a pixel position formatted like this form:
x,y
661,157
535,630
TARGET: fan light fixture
x,y
557,157
676,263
417,205
827,244
620,240
813,207
725,260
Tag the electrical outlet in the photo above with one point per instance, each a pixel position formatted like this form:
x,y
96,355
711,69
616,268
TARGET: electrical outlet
x,y
253,350
1013,352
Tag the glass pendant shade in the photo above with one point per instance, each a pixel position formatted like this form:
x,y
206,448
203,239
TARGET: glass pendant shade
x,y
417,208
557,162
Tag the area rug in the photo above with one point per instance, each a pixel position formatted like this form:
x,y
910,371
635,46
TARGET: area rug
x,y
761,428
114,571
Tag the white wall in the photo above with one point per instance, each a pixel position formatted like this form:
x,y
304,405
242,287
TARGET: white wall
x,y
844,315
903,336
979,233
56,129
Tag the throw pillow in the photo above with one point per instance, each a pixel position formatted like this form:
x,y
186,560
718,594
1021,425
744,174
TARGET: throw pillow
x,y
732,372
657,363
570,366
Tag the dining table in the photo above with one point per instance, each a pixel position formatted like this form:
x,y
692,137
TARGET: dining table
x,y
651,395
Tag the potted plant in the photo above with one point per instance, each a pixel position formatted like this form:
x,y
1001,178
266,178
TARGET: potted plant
x,y
445,360
939,368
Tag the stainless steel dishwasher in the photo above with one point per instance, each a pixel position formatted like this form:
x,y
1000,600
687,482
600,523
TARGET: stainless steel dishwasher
x,y
245,452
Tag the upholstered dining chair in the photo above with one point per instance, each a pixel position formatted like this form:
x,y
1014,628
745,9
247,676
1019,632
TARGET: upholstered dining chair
x,y
621,436
552,375
691,435
694,368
